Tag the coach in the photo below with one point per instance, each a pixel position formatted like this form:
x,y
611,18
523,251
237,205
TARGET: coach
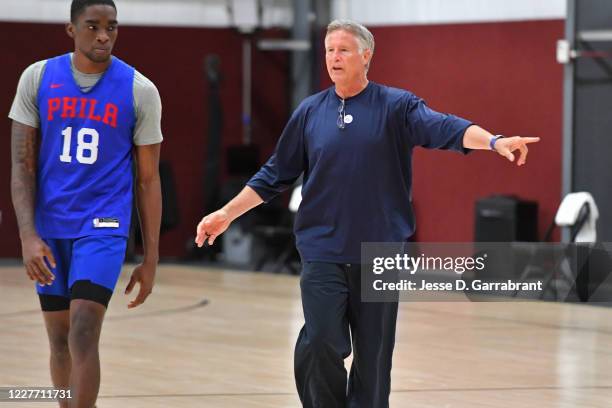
x,y
353,143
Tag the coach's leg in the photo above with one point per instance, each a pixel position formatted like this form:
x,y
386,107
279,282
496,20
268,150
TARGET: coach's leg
x,y
57,323
86,317
373,329
324,341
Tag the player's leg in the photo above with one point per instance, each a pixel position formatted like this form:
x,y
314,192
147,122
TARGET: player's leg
x,y
96,265
58,325
373,330
54,303
86,318
324,341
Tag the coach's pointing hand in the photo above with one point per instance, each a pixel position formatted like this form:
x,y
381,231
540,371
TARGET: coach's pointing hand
x,y
505,146
211,227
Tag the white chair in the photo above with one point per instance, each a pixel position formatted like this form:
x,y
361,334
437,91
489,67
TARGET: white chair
x,y
296,199
579,212
288,254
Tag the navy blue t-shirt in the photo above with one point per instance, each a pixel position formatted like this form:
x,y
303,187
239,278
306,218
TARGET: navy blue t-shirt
x,y
357,180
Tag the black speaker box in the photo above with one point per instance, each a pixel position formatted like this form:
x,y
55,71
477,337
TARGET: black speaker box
x,y
506,219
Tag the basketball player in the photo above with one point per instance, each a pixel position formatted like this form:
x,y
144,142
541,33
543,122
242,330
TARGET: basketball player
x,y
77,120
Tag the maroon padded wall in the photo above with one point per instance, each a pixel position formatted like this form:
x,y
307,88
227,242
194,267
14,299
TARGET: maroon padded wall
x,y
504,77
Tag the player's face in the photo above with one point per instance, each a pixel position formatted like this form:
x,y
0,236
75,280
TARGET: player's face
x,y
345,63
95,32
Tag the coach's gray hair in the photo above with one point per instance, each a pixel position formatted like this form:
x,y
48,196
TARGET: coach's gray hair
x,y
364,37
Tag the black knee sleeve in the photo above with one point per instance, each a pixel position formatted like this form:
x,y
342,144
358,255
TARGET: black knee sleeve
x,y
53,303
84,289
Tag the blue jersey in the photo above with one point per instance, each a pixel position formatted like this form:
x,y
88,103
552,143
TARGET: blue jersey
x,y
84,180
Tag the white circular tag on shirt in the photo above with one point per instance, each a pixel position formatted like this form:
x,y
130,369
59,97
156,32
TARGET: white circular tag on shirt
x,y
348,118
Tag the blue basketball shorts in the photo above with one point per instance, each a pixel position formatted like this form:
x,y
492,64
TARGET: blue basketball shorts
x,y
86,268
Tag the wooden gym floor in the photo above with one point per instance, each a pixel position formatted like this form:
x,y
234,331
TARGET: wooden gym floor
x,y
214,338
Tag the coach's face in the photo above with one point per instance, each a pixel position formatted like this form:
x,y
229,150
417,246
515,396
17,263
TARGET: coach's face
x,y
345,63
95,32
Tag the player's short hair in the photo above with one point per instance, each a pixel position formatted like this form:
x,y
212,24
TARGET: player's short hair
x,y
364,37
78,7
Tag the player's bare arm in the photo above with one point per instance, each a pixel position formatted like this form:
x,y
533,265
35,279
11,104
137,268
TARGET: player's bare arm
x,y
24,153
148,203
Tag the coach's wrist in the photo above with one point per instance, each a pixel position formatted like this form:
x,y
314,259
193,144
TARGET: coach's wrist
x,y
229,212
494,140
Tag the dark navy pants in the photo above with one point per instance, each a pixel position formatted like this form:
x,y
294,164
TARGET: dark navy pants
x,y
334,313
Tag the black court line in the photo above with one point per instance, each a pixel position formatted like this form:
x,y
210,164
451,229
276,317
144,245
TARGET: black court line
x,y
162,312
111,318
205,302
523,322
401,391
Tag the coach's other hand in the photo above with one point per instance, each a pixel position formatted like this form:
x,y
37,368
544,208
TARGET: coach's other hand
x,y
211,227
